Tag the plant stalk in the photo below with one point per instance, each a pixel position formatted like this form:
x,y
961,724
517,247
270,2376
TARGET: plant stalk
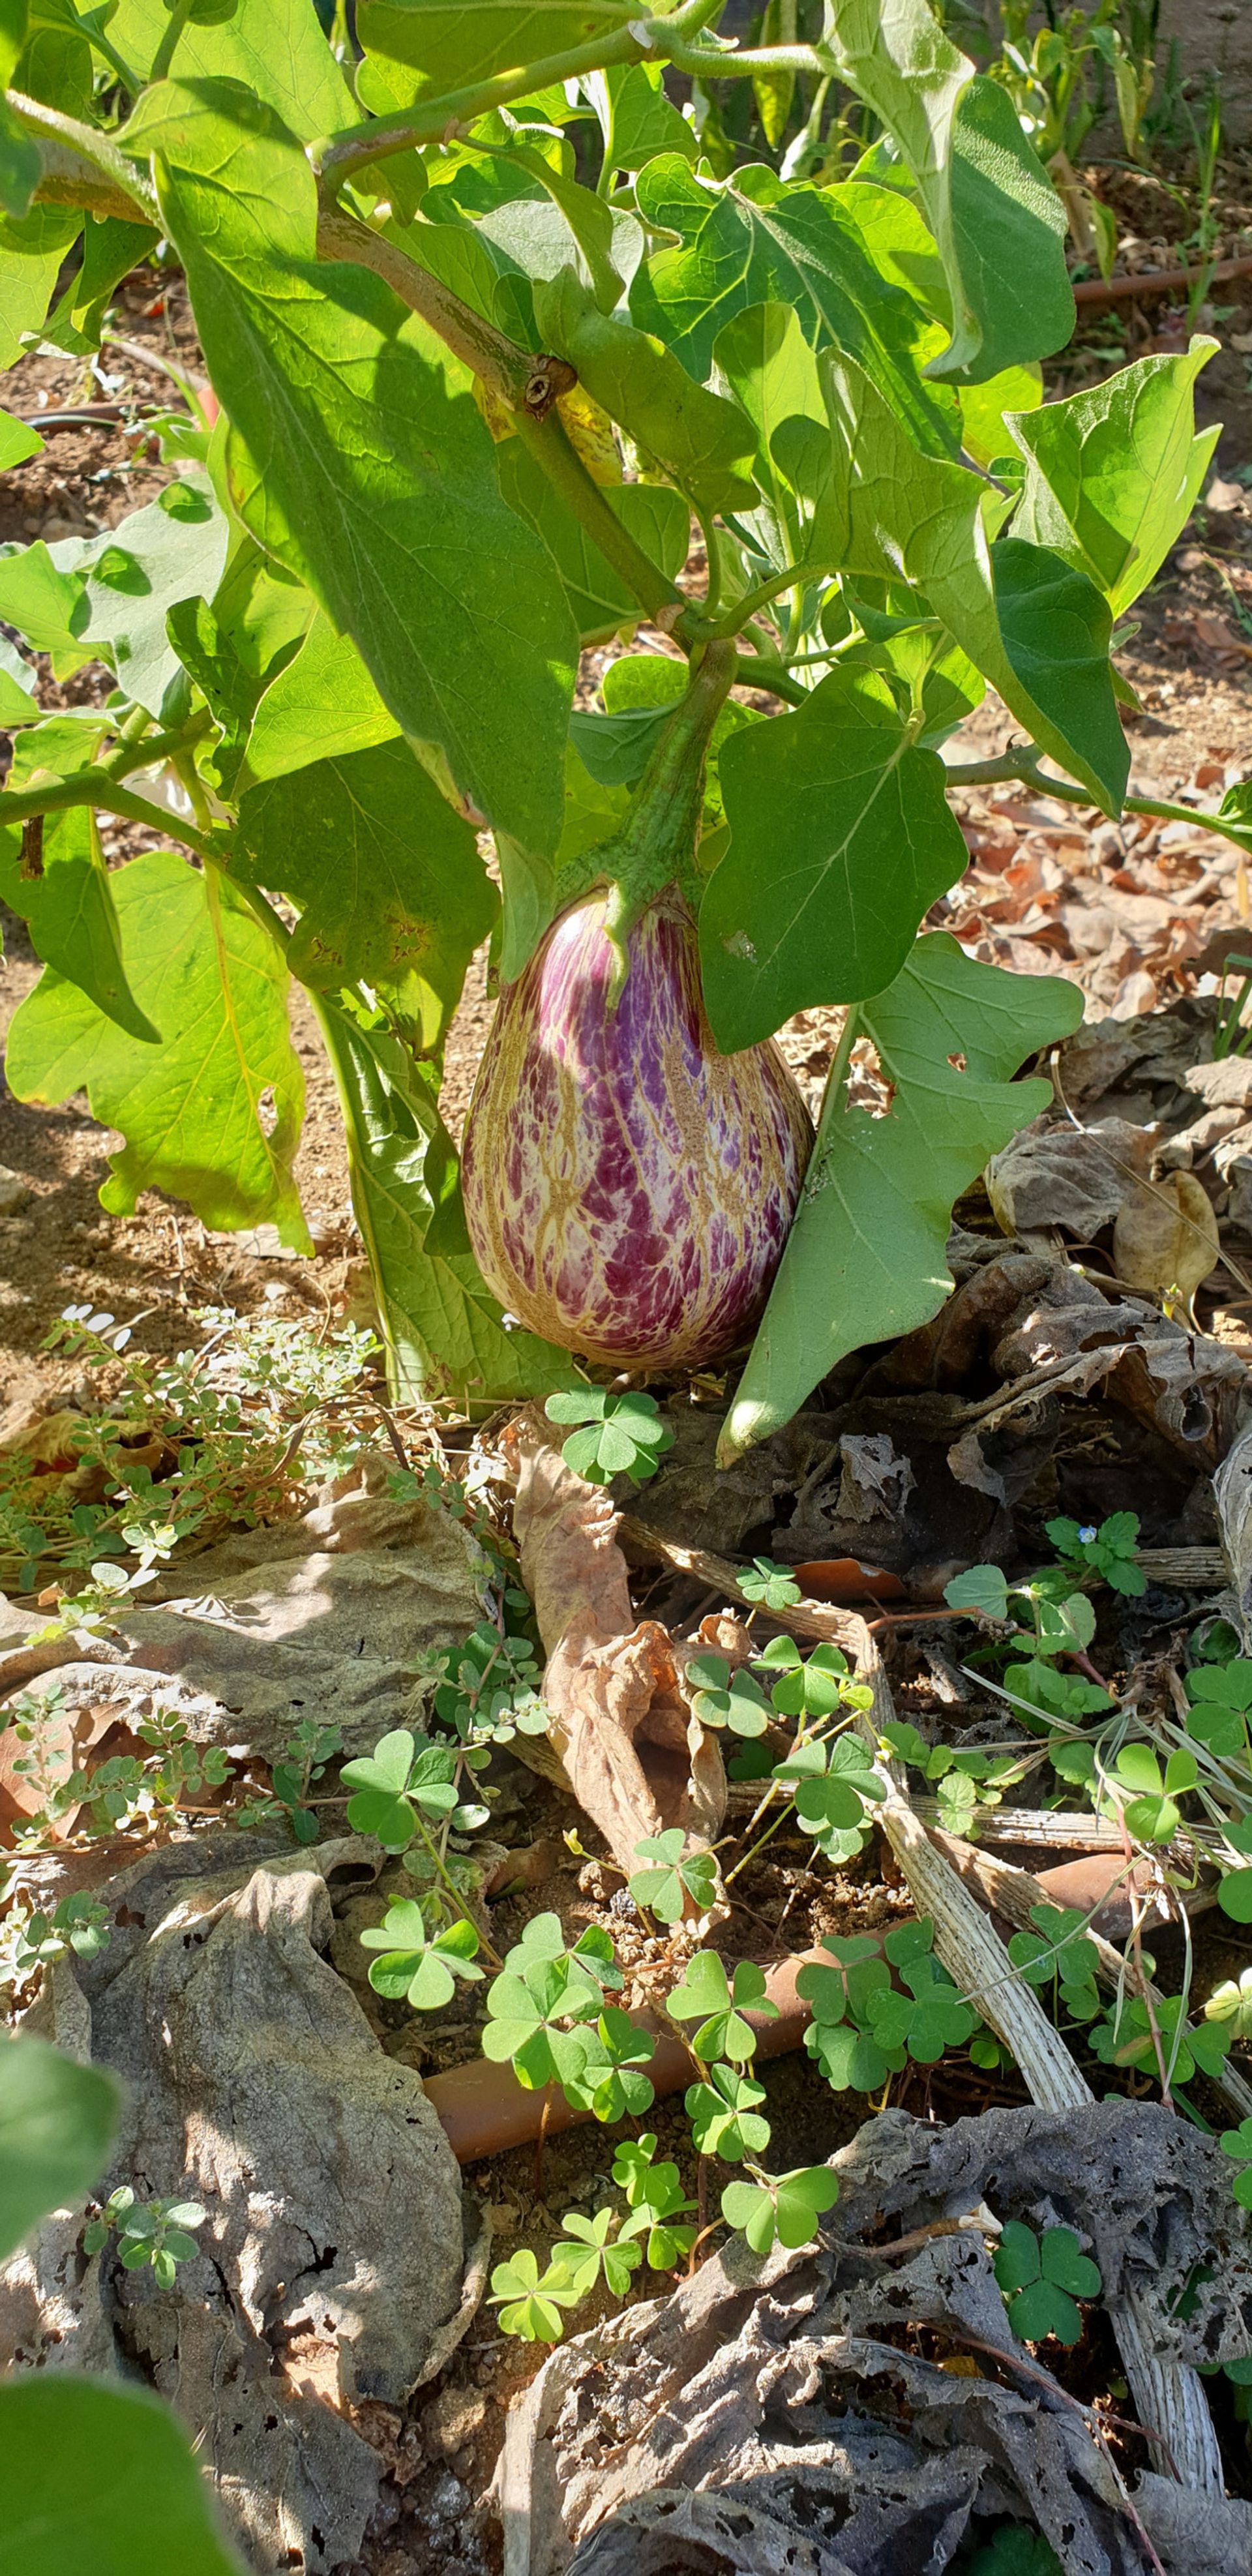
x,y
82,167
1023,764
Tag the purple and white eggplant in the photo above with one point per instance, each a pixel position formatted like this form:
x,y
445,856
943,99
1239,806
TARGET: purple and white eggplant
x,y
628,1189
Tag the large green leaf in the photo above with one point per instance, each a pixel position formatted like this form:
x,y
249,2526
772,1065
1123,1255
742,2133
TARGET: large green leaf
x,y
657,518
46,605
275,47
699,439
444,1330
637,120
1113,472
99,2480
1038,630
322,704
57,2121
854,262
32,249
133,574
111,248
865,1259
71,914
389,882
213,981
770,368
841,839
369,450
992,208
449,44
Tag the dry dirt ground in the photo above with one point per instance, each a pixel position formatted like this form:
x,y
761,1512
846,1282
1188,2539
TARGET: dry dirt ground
x,y
1130,912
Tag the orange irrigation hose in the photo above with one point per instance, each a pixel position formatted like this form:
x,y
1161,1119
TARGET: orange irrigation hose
x,y
484,2110
1159,281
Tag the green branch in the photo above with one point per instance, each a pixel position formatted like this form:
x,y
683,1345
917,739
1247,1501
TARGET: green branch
x,y
520,380
95,787
645,40
551,446
1022,762
82,167
171,36
704,630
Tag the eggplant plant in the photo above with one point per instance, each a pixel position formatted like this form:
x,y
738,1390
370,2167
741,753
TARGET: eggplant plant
x,y
487,337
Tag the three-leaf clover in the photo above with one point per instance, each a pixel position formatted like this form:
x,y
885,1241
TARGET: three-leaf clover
x,y
932,2016
786,2206
530,2307
1148,1794
673,1875
418,1964
1130,2040
703,1995
1237,2144
769,1586
834,1782
624,1434
1042,2278
724,2117
404,1773
654,2196
609,2083
1057,1951
723,1698
585,2252
850,2057
1221,1697
541,1987
809,1689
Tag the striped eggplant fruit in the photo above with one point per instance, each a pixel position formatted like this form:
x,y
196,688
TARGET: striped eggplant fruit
x,y
628,1189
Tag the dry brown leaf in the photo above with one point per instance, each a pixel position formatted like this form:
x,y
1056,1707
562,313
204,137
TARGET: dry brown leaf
x,y
1165,1240
634,1758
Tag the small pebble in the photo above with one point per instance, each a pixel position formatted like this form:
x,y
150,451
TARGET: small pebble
x,y
15,1193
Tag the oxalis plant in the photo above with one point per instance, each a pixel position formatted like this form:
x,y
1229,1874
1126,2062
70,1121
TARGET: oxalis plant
x,y
486,334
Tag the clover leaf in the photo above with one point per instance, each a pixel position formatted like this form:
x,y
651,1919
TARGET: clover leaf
x,y
833,1784
403,1773
654,2196
609,2083
1221,1697
723,1698
1234,1895
786,2206
1056,1951
420,1965
540,1989
931,2016
770,1586
703,1995
1042,2278
850,2058
1237,2144
1127,2039
724,2117
1150,1810
585,2253
530,2307
675,1874
809,1688
624,1434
